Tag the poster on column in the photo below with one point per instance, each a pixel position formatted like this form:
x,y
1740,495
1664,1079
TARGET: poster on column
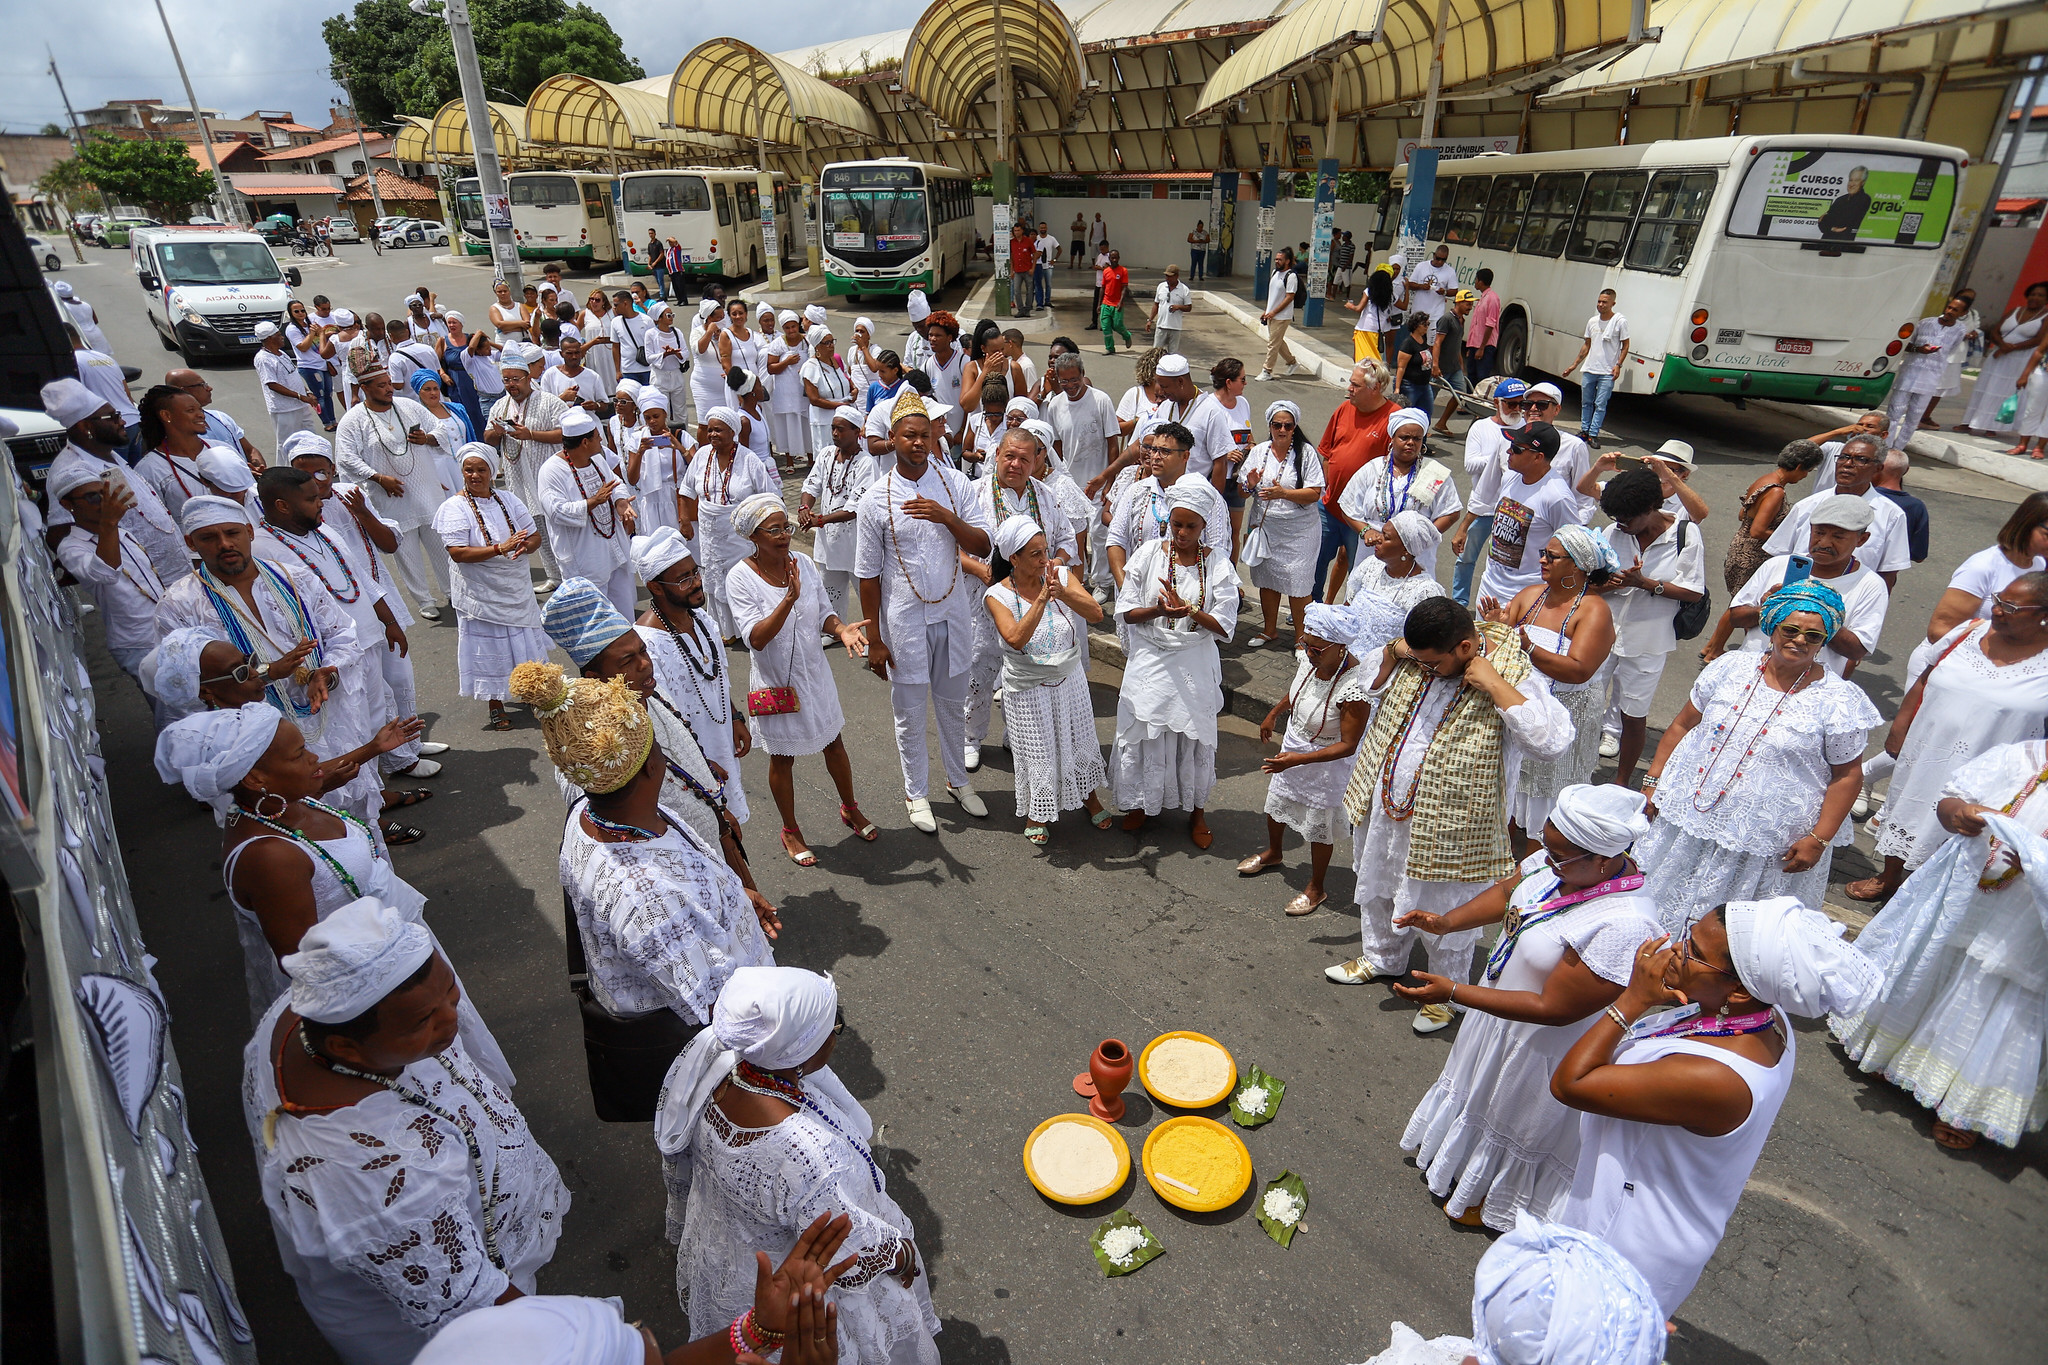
x,y
1323,228
1852,198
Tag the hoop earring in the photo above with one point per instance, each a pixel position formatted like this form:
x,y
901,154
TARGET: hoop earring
x,y
282,805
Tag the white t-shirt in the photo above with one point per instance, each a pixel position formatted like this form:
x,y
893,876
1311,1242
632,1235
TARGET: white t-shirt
x,y
1280,289
1524,520
1048,249
1605,339
1486,462
1986,573
1423,283
1218,431
1886,551
1642,620
1083,429
279,367
1166,296
587,386
1865,599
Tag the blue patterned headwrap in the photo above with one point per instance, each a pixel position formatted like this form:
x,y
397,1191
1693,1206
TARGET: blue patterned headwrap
x,y
582,620
1818,598
1588,549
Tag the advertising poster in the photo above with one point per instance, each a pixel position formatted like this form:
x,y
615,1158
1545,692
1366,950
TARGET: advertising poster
x,y
1851,197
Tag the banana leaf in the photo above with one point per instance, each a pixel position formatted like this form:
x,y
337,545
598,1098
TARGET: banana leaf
x,y
1124,1219
1275,1089
1283,1233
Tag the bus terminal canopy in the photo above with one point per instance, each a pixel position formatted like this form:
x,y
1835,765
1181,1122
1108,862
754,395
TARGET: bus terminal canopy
x,y
414,140
451,140
592,115
730,87
952,56
1378,52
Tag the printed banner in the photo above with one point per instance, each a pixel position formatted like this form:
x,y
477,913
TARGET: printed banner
x,y
1851,197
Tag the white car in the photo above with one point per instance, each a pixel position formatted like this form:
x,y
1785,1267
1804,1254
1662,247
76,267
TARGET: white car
x,y
45,254
343,230
414,232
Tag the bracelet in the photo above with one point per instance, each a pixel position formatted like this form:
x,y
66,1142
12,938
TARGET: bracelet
x,y
1453,997
1649,781
1620,1020
758,1337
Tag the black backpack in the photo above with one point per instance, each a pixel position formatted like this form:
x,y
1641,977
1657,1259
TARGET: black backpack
x,y
1300,288
1692,617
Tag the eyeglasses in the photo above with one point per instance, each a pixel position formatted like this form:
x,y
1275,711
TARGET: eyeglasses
x,y
1550,860
89,499
1511,404
1550,556
242,673
1790,634
1689,951
1841,460
1278,425
2000,604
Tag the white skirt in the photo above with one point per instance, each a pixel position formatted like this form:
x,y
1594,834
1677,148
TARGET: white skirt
x,y
486,653
1543,779
1317,824
790,432
1161,770
1689,876
1292,546
1056,755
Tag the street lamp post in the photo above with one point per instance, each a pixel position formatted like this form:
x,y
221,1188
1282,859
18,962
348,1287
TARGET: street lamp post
x,y
483,138
228,203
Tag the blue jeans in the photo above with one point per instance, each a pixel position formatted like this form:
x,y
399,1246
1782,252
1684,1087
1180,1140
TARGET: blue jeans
x,y
1041,284
1479,362
1468,562
1594,391
1336,532
1416,394
1198,260
321,385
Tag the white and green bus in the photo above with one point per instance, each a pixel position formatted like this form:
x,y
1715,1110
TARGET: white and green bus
x,y
714,214
564,216
893,225
1786,267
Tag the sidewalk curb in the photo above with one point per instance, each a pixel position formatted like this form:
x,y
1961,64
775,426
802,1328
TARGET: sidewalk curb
x,y
1321,361
1963,452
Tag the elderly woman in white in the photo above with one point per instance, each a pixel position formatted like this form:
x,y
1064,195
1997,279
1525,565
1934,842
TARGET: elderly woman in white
x,y
1283,481
723,475
1178,599
758,1138
1397,570
832,488
1404,479
489,535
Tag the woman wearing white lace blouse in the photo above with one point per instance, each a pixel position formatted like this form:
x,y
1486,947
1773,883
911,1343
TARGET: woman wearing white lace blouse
x,y
758,1138
1403,479
1282,480
1396,569
1041,612
826,387
1752,784
1488,1136
489,535
723,475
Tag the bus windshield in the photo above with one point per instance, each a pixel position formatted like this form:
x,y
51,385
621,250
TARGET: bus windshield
x,y
667,194
876,209
217,263
545,192
469,206
1852,198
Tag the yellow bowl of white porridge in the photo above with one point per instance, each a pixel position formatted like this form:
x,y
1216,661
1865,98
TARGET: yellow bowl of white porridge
x,y
1187,1070
1076,1159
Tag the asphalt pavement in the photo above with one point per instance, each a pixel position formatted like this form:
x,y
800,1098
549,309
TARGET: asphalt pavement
x,y
979,972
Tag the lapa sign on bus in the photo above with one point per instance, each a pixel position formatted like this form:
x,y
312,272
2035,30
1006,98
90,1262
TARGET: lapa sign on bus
x,y
1855,198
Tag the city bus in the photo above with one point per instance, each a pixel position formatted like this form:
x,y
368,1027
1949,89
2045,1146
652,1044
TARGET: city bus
x,y
893,225
564,216
714,213
1789,267
469,216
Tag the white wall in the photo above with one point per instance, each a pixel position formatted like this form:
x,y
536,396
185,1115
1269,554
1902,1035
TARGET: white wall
x,y
1150,234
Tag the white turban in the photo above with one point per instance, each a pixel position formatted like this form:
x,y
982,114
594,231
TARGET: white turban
x,y
177,667
569,332
1014,534
1546,1294
62,289
306,443
651,399
729,416
815,314
867,324
1603,818
69,402
917,306
629,387
1418,533
347,963
204,510
539,1329
577,423
213,751
343,318
748,516
481,451
653,555
818,335
706,308
774,1017
784,318
1334,624
74,476
223,468
1405,418
1042,430
845,412
1193,492
1796,958
764,307
1023,405
263,331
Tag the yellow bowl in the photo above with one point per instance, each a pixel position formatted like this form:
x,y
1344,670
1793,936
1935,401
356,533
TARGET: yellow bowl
x,y
1205,1201
1146,1080
1116,1140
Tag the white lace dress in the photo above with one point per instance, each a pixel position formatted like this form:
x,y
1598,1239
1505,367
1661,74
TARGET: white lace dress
x,y
1370,576
1707,848
376,1206
1309,799
792,658
1970,706
741,1190
1165,753
1048,716
1489,1132
1962,1022
1585,703
1282,538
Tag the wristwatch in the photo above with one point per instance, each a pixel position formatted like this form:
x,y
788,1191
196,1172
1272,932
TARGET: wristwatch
x,y
263,671
1657,588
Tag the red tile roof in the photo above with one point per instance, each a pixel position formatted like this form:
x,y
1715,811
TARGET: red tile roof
x,y
392,187
322,148
255,185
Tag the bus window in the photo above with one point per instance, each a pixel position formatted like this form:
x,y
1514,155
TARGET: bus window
x,y
1605,216
1471,202
1551,206
1390,222
1504,211
1440,207
749,195
593,200
1671,220
724,204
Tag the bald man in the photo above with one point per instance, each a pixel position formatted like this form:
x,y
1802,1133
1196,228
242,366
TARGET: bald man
x,y
220,427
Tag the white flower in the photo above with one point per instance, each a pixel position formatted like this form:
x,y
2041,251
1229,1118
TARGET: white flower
x,y
1252,1099
1122,1244
1282,1206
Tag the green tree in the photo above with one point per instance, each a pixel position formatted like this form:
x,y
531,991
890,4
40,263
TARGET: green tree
x,y
157,175
399,62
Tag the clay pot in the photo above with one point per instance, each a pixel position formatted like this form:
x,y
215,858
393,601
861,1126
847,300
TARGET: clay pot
x,y
1110,1068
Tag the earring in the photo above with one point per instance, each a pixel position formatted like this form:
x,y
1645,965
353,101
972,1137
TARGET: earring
x,y
1724,1010
282,805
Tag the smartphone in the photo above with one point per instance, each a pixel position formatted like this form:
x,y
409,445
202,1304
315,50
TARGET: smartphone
x,y
1624,462
1797,570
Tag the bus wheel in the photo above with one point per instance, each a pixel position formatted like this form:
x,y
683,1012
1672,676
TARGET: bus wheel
x,y
1513,354
853,298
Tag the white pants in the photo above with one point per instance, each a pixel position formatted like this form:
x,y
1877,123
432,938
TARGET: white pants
x,y
984,684
420,553
844,593
676,388
1167,339
1099,576
1386,949
1906,408
401,699
911,702
291,423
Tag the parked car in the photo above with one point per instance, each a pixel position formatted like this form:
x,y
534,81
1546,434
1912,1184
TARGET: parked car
x,y
34,446
276,231
383,225
85,223
45,254
115,234
341,229
416,232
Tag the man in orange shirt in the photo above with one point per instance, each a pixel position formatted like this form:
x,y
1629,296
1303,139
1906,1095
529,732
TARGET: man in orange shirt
x,y
1115,280
1355,436
1023,256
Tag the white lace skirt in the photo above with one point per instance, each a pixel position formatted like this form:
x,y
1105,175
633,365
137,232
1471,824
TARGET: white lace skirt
x,y
1160,771
1688,876
1317,824
1292,546
1542,779
486,653
1057,757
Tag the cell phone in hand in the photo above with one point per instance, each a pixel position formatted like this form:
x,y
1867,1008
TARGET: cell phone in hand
x,y
1798,569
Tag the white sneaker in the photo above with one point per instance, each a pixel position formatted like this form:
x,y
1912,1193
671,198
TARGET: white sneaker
x,y
426,767
1610,746
972,758
969,801
544,587
1433,1018
921,815
1263,375
430,612
1292,369
433,746
1861,810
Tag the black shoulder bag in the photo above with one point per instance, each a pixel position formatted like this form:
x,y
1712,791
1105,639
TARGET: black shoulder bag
x,y
1692,617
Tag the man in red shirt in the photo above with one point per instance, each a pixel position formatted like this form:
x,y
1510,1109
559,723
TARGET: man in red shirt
x,y
1023,256
1356,435
1115,280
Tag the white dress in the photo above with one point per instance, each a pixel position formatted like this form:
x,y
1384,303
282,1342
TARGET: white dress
x,y
1282,538
1489,1132
1376,492
835,485
376,1205
1707,849
497,621
1370,576
1585,703
1962,1021
707,380
1048,716
1969,706
664,461
792,658
1040,502
1309,799
1998,375
717,488
1165,754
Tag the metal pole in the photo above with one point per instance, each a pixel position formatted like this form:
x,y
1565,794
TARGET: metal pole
x,y
1004,294
369,171
1323,226
77,144
1436,74
228,204
2005,162
483,140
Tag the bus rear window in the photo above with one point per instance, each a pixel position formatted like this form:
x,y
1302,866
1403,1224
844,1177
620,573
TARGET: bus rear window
x,y
545,192
1605,215
1852,198
667,194
1551,207
1672,211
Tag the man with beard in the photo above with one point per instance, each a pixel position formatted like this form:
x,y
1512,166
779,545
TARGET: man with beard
x,y
387,443
689,659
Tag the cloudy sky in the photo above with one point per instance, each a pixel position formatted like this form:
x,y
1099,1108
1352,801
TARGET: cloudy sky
x,y
270,56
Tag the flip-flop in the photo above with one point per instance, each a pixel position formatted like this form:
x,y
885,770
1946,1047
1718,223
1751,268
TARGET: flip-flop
x,y
1954,1139
410,798
865,830
1302,905
396,834
803,859
1037,834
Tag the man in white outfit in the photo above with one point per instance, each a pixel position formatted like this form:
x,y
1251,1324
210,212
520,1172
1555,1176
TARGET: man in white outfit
x,y
914,521
526,426
1933,341
387,443
587,507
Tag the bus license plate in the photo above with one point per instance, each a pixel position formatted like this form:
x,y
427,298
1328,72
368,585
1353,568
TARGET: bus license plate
x,y
1795,346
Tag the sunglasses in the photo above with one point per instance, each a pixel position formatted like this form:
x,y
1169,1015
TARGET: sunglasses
x,y
1279,425
1549,556
1689,951
838,1020
1539,402
89,499
1511,405
243,672
1789,634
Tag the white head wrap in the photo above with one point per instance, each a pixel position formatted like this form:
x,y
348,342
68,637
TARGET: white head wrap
x,y
1418,533
865,324
263,331
1588,549
847,413
480,451
1042,430
654,555
347,963
1023,405
1014,534
69,402
451,316
212,751
1286,406
818,335
74,476
305,443
61,288
1194,493
774,1017
814,313
660,311
651,399
177,667
730,417
706,308
750,382
204,510
1333,624
917,306
569,332
1171,366
344,319
784,318
1376,622
576,423
225,469
764,307
629,387
539,1329
1796,958
1408,417
1546,1294
1603,818
748,516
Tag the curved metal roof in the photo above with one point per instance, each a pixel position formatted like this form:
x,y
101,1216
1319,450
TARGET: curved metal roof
x,y
414,140
451,141
727,86
950,56
576,111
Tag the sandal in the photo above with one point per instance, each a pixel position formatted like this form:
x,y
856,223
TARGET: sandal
x,y
500,720
1302,905
865,829
1254,865
409,798
1102,818
1869,889
396,834
1954,1139
1037,834
803,859
1134,820
1260,641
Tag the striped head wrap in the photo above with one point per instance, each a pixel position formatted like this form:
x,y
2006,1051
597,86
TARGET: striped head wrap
x,y
582,620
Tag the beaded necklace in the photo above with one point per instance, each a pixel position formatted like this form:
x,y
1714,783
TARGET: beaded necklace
x,y
1404,810
171,462
836,489
1573,610
1728,729
483,530
1519,922
1201,568
289,540
617,827
1394,503
404,443
610,508
313,847
896,540
715,800
227,606
711,669
486,1190
1057,614
132,552
1324,719
751,1078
